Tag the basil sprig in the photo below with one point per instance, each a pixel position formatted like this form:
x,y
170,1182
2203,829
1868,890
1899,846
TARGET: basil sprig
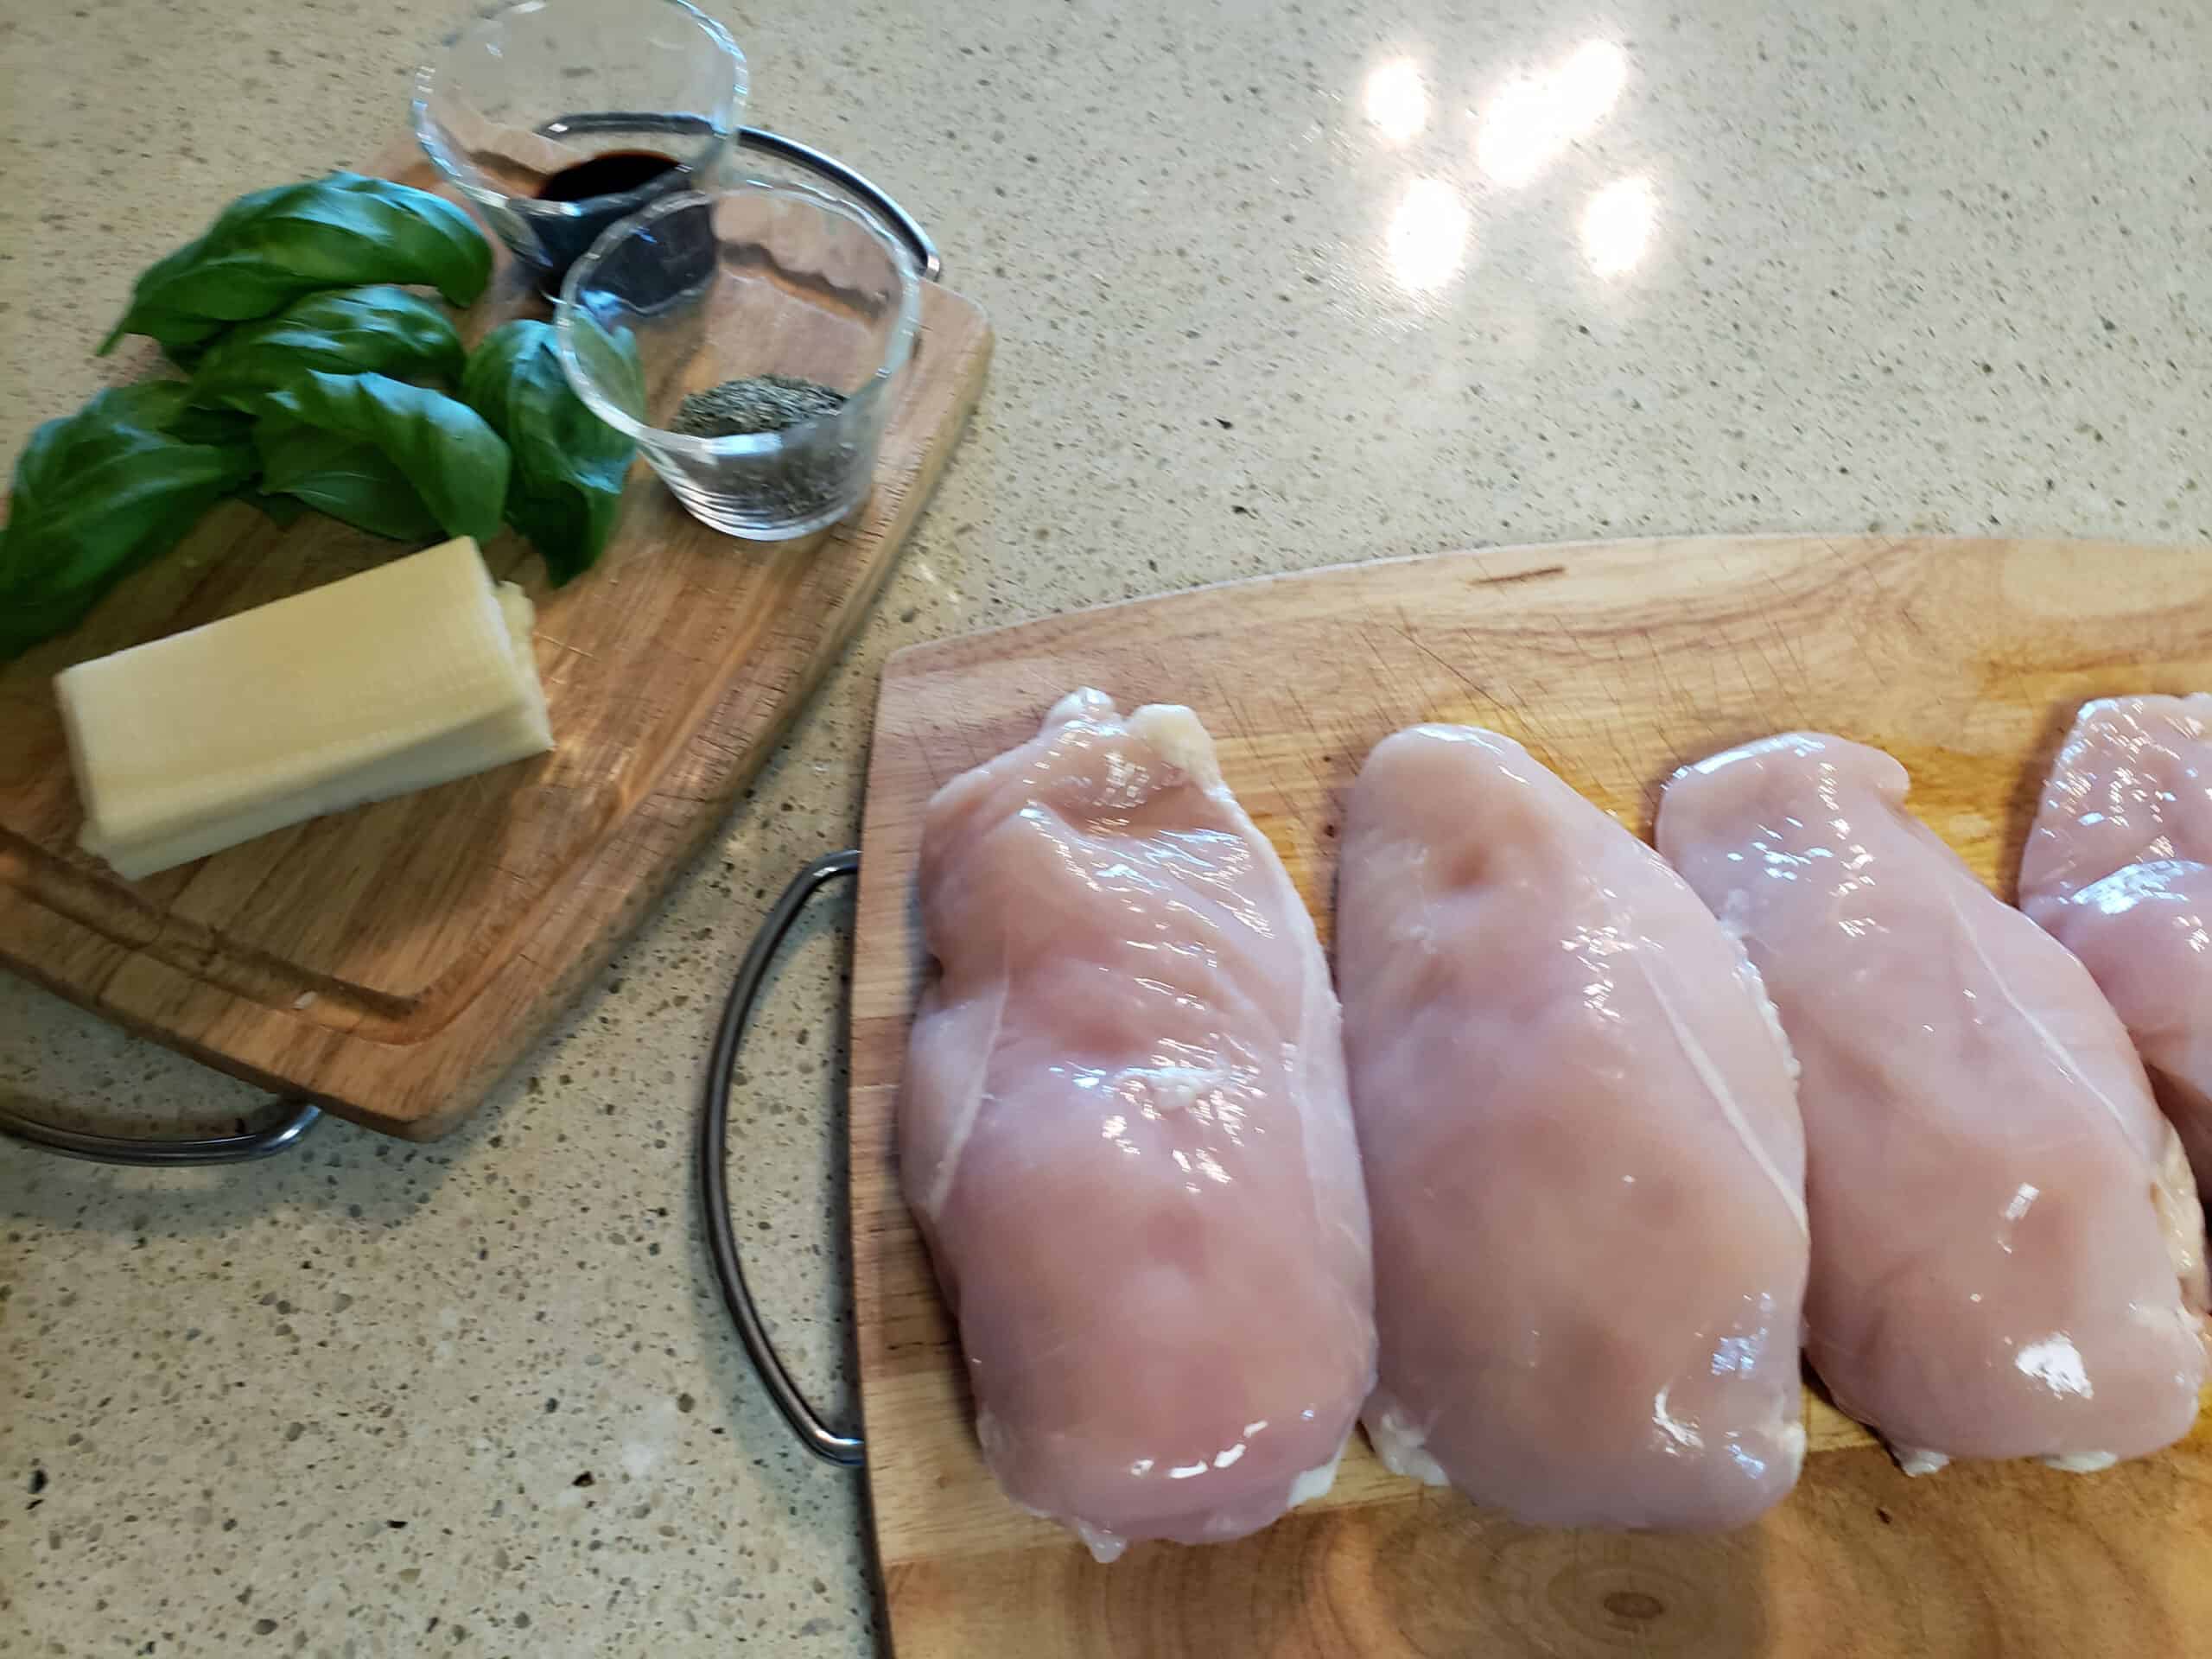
x,y
99,493
566,484
398,459
267,249
380,329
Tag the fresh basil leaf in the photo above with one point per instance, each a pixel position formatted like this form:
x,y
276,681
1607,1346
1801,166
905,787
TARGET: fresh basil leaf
x,y
383,329
283,511
566,485
148,409
610,360
336,474
398,459
97,495
267,249
197,425
169,403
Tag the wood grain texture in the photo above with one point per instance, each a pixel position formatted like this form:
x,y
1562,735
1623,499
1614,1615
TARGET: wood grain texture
x,y
391,961
1615,662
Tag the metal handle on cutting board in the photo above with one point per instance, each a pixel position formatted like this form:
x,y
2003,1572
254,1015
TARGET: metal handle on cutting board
x,y
903,224
713,1179
280,1134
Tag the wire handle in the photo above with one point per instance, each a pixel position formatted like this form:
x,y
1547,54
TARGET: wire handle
x,y
280,1134
903,224
714,1178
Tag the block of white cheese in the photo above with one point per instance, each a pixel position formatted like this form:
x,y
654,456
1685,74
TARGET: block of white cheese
x,y
414,673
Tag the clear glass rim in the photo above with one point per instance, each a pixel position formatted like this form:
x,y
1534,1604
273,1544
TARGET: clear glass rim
x,y
727,116
896,350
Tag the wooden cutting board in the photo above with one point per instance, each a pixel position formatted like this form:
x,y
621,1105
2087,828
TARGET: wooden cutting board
x,y
1615,662
393,961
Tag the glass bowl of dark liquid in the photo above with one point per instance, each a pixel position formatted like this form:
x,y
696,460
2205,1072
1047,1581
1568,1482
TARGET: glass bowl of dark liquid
x,y
557,118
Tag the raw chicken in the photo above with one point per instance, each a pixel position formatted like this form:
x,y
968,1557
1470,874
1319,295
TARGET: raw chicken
x,y
2119,867
2001,1222
1583,1154
1124,1132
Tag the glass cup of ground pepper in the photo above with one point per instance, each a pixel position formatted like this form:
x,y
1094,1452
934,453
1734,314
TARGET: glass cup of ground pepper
x,y
751,340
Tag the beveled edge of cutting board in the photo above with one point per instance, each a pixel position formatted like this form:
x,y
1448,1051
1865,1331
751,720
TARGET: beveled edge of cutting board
x,y
1518,562
1497,566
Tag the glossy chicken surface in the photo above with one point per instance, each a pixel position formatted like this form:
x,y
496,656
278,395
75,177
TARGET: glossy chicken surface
x,y
1583,1154
2119,867
1124,1131
2001,1222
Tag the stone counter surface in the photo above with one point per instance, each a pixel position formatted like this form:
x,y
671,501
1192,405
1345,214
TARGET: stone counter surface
x,y
1276,286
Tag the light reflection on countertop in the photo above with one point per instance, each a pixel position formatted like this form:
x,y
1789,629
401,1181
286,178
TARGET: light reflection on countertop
x,y
1616,225
1526,122
1397,100
1426,243
1519,126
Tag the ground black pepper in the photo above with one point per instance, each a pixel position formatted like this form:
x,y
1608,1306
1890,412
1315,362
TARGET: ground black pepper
x,y
810,475
760,402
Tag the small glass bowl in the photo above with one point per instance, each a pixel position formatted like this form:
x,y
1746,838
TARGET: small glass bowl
x,y
757,279
536,87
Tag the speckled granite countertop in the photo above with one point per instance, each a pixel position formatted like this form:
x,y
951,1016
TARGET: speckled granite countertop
x,y
1276,285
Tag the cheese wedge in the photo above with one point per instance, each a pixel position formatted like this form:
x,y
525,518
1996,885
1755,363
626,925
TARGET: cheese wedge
x,y
414,673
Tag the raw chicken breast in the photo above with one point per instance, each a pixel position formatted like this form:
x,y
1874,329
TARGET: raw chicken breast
x,y
1123,1130
1583,1154
1999,1232
2119,867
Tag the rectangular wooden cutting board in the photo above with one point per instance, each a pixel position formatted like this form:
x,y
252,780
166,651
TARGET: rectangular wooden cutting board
x,y
1615,662
391,961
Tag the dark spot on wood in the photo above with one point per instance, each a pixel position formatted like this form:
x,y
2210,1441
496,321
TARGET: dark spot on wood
x,y
1521,575
1883,1516
1634,1603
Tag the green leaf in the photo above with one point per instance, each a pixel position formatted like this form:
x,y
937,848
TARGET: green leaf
x,y
279,510
610,360
401,461
196,425
267,249
382,330
566,485
97,495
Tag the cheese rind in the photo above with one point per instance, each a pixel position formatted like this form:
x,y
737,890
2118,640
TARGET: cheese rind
x,y
414,673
